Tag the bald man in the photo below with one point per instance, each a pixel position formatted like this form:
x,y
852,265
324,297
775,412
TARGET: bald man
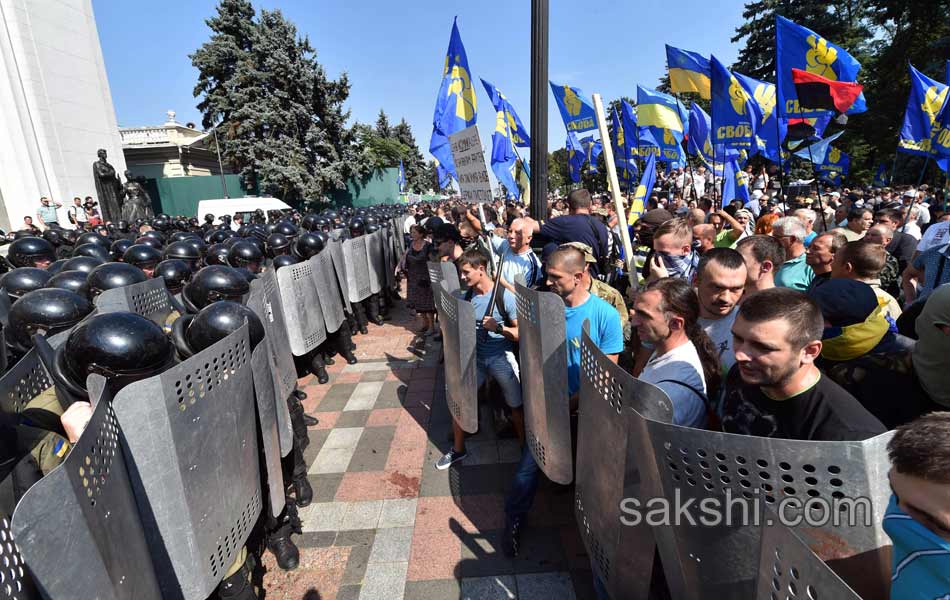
x,y
520,259
704,237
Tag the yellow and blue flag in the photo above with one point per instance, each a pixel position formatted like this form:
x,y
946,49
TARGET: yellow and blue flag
x,y
401,178
769,130
835,167
817,152
940,140
698,143
689,71
921,125
516,129
659,110
455,107
644,190
503,156
631,133
798,47
576,156
733,113
880,176
577,111
735,184
592,150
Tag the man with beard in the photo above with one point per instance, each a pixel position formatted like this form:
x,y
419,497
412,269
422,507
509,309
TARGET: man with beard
x,y
720,283
775,389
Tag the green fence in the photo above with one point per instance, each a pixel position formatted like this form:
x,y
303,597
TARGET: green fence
x,y
180,195
380,187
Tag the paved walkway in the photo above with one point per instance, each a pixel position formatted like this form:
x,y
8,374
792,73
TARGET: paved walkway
x,y
385,524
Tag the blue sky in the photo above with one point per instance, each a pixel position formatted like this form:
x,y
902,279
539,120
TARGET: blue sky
x,y
393,51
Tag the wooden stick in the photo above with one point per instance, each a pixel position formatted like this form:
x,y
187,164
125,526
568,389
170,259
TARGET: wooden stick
x,y
615,190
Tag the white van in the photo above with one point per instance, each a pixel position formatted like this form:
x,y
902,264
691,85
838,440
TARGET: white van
x,y
242,206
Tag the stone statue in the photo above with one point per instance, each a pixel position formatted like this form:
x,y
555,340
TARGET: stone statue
x,y
108,188
137,204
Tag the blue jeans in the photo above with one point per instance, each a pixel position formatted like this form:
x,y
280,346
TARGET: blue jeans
x,y
523,487
600,590
503,368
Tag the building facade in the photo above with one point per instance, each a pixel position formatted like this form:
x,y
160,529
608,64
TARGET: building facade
x,y
56,108
169,150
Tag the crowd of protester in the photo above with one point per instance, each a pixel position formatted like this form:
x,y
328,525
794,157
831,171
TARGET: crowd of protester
x,y
806,316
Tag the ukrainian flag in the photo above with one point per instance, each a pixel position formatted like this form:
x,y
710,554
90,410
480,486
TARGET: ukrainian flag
x,y
689,72
656,109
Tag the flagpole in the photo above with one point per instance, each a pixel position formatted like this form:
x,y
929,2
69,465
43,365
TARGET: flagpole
x,y
781,167
608,152
811,159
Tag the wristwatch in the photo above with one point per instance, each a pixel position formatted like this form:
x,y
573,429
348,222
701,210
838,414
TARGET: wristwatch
x,y
499,328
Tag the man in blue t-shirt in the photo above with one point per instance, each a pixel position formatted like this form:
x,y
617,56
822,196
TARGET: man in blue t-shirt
x,y
565,272
579,226
495,339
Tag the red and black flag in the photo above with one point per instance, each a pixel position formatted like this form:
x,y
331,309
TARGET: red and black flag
x,y
816,92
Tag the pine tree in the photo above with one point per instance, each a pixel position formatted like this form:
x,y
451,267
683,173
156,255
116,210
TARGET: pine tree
x,y
383,129
412,160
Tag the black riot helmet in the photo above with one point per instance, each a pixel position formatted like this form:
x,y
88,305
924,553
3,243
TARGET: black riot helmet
x,y
113,275
54,236
91,237
309,222
123,347
217,254
175,272
213,283
143,257
219,235
161,223
357,227
370,220
209,218
183,250
82,263
31,252
309,244
74,281
122,226
57,266
93,250
155,235
284,260
119,247
247,255
372,227
23,280
277,244
333,216
217,321
46,311
198,244
180,235
285,228
148,240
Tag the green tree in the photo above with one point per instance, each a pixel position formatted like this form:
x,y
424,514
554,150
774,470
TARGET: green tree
x,y
412,160
383,129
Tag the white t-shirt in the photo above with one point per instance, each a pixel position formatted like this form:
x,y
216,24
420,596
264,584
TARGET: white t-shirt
x,y
527,263
936,235
409,224
681,364
720,332
913,230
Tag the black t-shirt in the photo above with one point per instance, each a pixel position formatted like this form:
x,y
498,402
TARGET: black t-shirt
x,y
824,412
575,228
903,246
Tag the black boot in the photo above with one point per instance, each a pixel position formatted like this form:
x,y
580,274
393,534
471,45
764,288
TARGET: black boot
x,y
318,368
301,436
310,421
349,356
299,394
237,586
283,548
303,492
328,360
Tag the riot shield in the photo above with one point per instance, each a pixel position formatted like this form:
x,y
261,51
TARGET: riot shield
x,y
335,249
389,258
267,422
21,384
610,399
444,271
356,261
149,298
298,297
5,306
457,320
543,351
743,473
327,291
190,438
15,581
264,300
78,528
374,251
788,566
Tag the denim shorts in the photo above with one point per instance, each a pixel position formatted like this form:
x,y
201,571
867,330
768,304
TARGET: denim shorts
x,y
503,368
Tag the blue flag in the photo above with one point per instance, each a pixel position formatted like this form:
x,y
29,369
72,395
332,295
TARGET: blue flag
x,y
621,150
689,71
817,152
733,114
631,135
592,151
880,176
577,111
924,105
835,167
575,156
661,111
769,130
516,129
644,190
735,183
455,107
699,143
401,178
445,180
797,47
503,157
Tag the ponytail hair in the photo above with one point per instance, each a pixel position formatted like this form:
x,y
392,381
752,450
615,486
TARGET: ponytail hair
x,y
680,300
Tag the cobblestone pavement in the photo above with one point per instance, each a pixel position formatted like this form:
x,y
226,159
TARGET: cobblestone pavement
x,y
385,524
